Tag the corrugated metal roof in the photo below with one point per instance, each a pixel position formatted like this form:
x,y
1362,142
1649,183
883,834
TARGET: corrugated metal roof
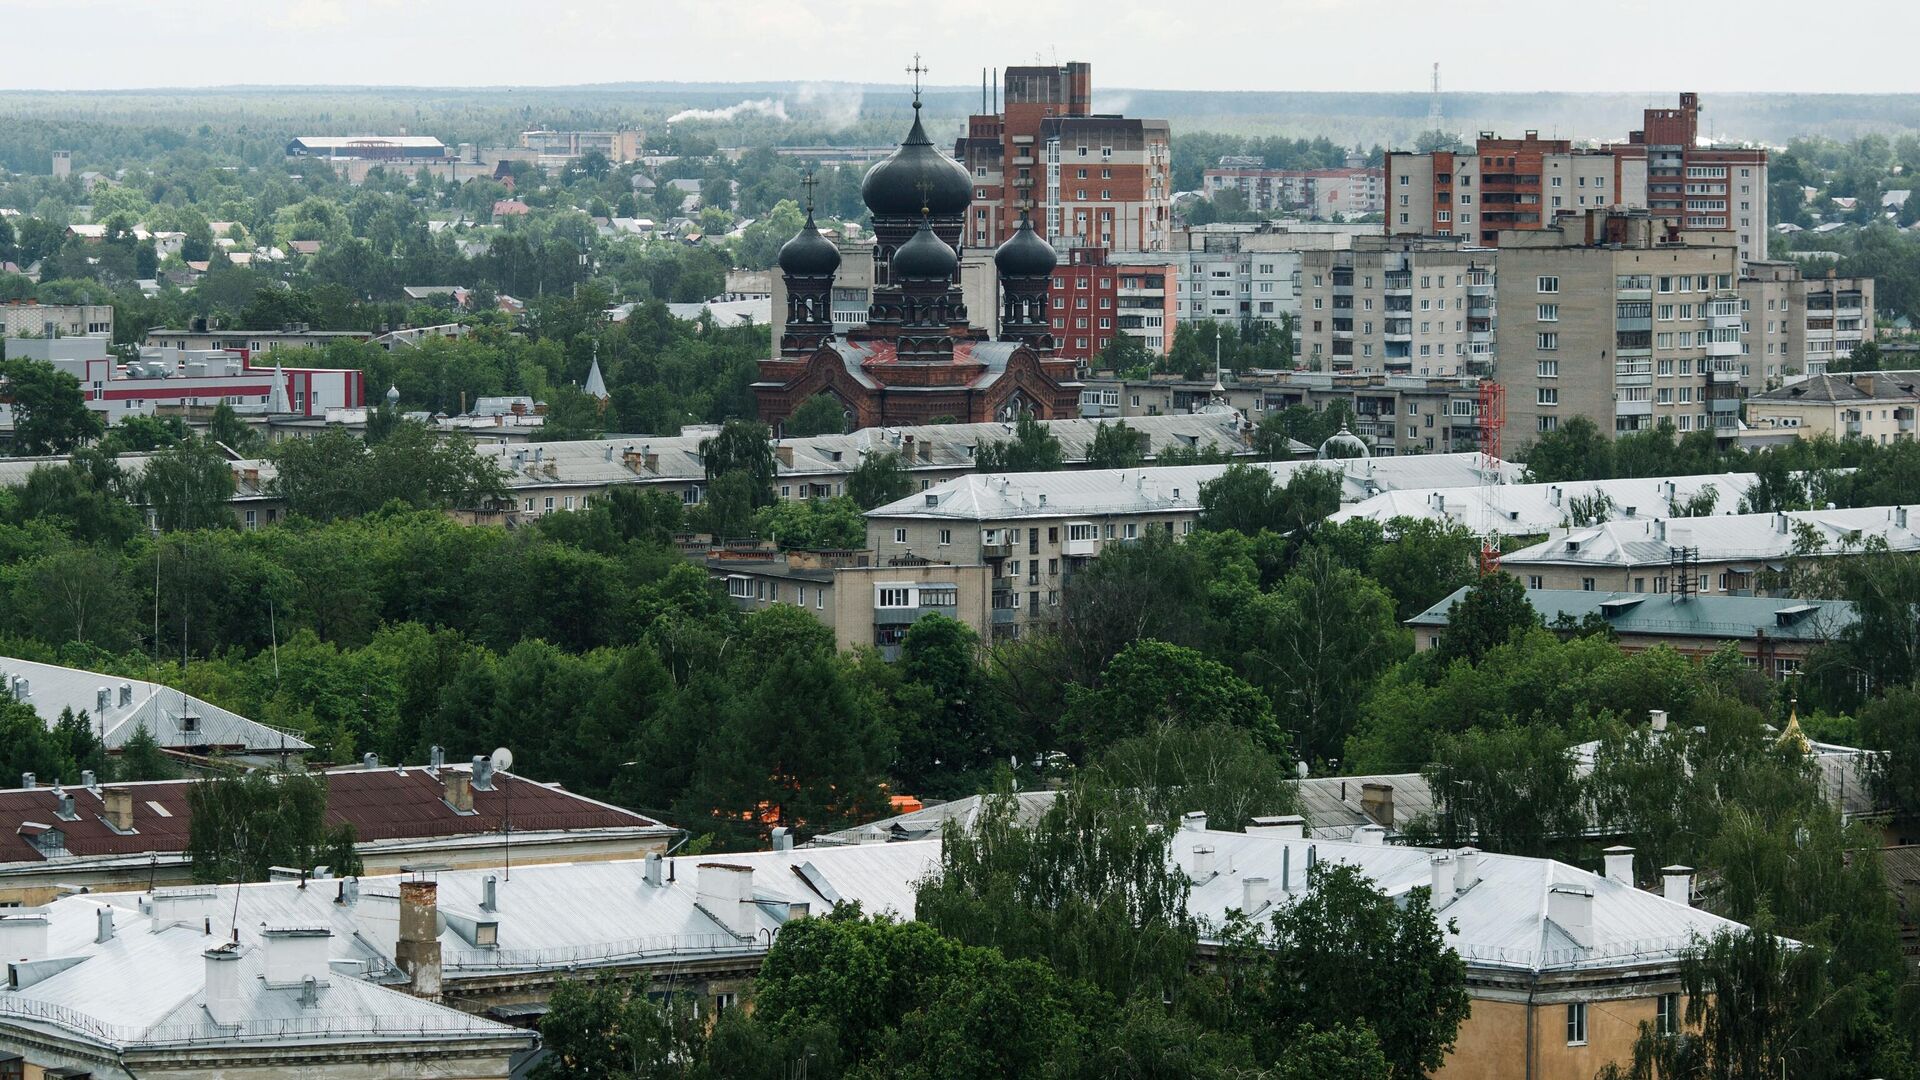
x,y
1524,509
1722,539
162,710
1670,615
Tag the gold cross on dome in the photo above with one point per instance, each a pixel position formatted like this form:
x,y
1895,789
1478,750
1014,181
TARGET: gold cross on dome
x,y
808,181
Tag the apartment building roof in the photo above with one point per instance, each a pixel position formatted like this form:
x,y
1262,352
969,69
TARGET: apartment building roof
x,y
1861,386
389,808
146,989
1161,489
116,707
643,458
1766,540
571,916
1526,509
1671,615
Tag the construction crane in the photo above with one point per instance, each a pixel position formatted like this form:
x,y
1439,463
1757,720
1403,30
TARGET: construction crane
x,y
1491,418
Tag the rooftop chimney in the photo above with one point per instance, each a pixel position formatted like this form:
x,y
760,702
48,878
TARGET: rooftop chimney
x,y
27,780
482,773
119,810
223,1000
489,893
1466,869
459,787
1202,861
1443,869
782,838
1193,821
725,891
295,954
1376,801
1677,882
1780,522
436,757
1254,895
1570,907
102,925
370,761
1281,827
23,934
1370,836
1619,864
1658,718
417,952
653,869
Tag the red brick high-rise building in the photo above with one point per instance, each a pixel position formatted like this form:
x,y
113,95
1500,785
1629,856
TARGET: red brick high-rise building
x,y
1087,179
917,358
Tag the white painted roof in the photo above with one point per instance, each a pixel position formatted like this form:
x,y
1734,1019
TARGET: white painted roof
x,y
1762,538
1162,489
159,708
1523,509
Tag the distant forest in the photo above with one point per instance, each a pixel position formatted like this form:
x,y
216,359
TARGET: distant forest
x,y
114,129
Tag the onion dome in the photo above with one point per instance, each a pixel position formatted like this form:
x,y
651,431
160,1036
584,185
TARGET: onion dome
x,y
1344,444
916,177
393,395
809,254
924,255
1024,254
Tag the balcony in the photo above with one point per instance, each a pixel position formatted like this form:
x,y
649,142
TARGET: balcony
x,y
1852,427
1728,404
1724,348
1723,375
1000,548
1080,548
1633,408
1480,286
1723,316
1399,284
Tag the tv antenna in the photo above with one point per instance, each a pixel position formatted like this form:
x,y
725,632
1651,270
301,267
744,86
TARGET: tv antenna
x,y
502,759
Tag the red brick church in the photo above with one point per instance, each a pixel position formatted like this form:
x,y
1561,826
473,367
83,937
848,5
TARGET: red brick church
x,y
917,359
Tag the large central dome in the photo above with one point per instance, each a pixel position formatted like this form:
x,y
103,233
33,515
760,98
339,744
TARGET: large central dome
x,y
916,178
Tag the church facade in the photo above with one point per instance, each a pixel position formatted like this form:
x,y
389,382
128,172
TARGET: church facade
x,y
917,360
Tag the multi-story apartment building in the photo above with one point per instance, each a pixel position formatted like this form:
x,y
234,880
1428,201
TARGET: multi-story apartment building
x,y
1087,179
1401,304
28,319
1620,317
619,147
1244,272
1521,185
1095,300
1394,414
1356,189
863,601
1796,325
1878,406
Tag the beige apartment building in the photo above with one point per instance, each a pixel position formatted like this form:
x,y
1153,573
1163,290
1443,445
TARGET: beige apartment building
x,y
865,602
1421,305
1796,325
1622,318
1877,406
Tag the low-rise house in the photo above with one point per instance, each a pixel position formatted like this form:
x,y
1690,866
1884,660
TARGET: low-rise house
x,y
1878,406
1775,634
57,839
1735,554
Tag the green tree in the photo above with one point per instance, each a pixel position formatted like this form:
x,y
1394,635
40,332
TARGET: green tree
x,y
1891,723
246,823
1245,498
821,414
949,724
833,523
1509,789
880,478
50,414
1033,448
1491,613
188,485
142,759
1577,450
745,447
1151,686
1115,446
1224,772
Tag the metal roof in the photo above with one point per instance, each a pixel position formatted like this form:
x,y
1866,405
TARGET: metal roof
x,y
1670,615
1161,489
1526,509
136,703
1758,537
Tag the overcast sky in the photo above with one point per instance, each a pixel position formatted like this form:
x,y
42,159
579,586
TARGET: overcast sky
x,y
1488,45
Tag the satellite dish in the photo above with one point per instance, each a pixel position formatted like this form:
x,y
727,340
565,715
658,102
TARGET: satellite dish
x,y
502,759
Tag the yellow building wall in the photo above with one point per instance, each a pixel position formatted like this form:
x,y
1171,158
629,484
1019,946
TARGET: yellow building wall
x,y
1493,1040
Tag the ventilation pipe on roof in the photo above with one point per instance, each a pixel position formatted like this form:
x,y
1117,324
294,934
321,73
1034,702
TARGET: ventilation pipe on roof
x,y
126,694
1443,869
1255,894
1780,522
489,893
295,955
102,925
1193,821
1677,884
1619,864
652,872
1570,907
782,838
370,761
482,773
1202,862
1281,827
89,780
436,757
102,700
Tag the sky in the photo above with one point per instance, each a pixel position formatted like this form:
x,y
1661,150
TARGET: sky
x,y
1482,45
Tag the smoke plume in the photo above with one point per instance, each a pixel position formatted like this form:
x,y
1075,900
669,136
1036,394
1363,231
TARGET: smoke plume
x,y
770,107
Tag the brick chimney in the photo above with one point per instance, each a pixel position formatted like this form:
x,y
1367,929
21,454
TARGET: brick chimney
x,y
119,809
417,952
1376,801
460,791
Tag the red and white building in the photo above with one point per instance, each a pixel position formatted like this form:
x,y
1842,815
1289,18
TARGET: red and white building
x,y
184,377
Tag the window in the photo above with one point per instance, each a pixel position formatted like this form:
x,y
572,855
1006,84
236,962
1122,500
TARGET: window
x,y
1548,285
1586,584
1547,342
1081,532
1668,1014
946,537
1534,581
939,597
740,588
549,502
1547,369
895,597
1576,1023
1548,313
899,536
1549,396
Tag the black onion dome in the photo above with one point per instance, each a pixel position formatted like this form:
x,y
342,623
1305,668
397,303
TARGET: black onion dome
x,y
924,255
894,187
809,254
1024,254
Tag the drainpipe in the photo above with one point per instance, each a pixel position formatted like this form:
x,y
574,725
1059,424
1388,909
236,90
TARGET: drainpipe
x,y
1533,987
